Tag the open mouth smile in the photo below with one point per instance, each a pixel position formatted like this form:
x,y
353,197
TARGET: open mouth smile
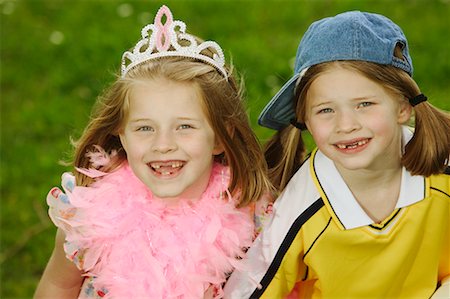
x,y
166,168
352,145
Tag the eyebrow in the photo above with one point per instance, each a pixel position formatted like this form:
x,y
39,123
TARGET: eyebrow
x,y
137,120
362,98
321,104
189,118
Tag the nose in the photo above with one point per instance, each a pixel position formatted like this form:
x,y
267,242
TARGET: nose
x,y
347,122
164,142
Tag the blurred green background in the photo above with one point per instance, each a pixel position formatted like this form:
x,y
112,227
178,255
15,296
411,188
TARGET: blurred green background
x,y
57,56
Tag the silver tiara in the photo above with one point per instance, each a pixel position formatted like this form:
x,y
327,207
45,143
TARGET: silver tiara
x,y
164,41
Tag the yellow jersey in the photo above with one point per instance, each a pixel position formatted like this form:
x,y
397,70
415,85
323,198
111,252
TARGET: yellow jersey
x,y
320,241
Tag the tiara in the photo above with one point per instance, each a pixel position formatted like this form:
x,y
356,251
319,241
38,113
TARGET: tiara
x,y
164,41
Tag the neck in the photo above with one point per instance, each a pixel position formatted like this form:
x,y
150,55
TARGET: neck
x,y
376,192
361,179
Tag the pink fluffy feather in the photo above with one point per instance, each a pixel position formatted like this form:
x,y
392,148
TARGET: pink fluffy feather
x,y
136,246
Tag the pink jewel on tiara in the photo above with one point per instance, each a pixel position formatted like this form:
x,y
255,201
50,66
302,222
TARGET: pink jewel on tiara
x,y
164,41
163,29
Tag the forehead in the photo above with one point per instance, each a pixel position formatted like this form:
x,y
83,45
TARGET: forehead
x,y
343,82
162,95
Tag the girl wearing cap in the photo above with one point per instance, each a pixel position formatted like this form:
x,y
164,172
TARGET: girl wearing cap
x,y
367,213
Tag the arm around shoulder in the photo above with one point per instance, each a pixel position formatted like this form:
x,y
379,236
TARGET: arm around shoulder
x,y
61,278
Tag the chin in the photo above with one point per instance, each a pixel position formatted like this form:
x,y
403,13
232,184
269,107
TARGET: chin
x,y
354,165
167,195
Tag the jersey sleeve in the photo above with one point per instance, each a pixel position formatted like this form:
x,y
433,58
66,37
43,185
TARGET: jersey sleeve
x,y
261,277
285,278
274,263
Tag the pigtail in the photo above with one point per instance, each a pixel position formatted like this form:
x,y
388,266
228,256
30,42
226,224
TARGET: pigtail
x,y
284,154
428,151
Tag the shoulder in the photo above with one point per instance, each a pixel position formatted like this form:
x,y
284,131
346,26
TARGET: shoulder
x,y
447,170
440,183
299,195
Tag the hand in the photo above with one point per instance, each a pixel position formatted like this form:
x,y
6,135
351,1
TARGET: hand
x,y
213,292
209,294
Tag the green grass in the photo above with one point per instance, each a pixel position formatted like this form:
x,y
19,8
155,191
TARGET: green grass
x,y
57,55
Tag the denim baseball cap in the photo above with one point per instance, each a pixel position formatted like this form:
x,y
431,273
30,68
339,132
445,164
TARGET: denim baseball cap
x,y
352,35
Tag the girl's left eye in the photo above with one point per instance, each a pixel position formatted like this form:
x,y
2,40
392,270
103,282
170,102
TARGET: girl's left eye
x,y
325,110
145,128
364,104
185,126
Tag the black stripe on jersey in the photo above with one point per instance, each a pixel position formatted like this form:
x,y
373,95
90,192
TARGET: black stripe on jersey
x,y
287,242
310,247
381,227
318,236
439,190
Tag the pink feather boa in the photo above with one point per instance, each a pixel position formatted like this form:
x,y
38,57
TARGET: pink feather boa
x,y
137,247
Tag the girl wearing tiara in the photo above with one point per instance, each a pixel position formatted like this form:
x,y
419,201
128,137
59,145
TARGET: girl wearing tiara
x,y
367,214
167,174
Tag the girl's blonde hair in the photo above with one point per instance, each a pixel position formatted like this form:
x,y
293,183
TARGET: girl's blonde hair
x,y
427,153
224,107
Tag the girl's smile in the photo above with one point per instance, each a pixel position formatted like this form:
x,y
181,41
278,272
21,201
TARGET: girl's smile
x,y
352,146
166,169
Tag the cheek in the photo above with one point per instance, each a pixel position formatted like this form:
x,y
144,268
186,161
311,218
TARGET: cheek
x,y
201,144
320,131
132,146
383,123
201,149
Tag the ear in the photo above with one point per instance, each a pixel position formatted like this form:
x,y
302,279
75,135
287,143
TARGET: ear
x,y
218,145
307,125
218,148
404,112
123,141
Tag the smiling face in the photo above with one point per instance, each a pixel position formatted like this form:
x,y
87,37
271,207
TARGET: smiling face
x,y
355,121
169,142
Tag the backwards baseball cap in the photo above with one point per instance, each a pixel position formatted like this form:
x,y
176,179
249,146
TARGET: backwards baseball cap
x,y
352,35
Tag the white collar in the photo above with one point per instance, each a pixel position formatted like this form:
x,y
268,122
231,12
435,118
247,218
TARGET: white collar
x,y
343,203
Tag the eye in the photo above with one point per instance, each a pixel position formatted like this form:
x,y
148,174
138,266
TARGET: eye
x,y
364,104
144,129
325,110
184,127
